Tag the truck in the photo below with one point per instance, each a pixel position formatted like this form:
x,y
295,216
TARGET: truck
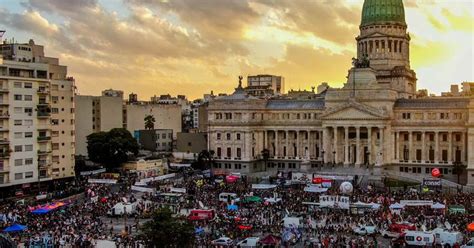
x,y
446,237
396,229
201,214
122,208
419,238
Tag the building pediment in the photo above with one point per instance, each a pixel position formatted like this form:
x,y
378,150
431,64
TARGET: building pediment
x,y
353,110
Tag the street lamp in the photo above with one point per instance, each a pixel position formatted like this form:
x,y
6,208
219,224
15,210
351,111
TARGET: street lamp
x,y
322,152
334,158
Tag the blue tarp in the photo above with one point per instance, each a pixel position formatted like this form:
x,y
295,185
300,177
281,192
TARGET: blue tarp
x,y
15,228
198,230
232,207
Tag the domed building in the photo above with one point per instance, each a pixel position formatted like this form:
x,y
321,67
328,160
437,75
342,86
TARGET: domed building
x,y
375,122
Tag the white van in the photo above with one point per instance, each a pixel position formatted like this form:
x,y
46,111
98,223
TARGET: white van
x,y
224,197
122,208
445,237
249,242
417,238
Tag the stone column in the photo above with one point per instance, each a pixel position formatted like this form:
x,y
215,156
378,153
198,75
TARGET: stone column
x,y
358,161
265,139
381,146
346,145
369,144
287,143
298,146
436,155
325,139
321,143
276,144
450,147
335,155
423,147
410,146
397,146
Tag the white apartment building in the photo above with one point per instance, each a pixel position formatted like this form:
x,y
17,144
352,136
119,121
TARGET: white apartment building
x,y
36,116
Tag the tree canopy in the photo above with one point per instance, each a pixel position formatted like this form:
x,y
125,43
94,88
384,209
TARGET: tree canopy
x,y
149,122
164,230
111,148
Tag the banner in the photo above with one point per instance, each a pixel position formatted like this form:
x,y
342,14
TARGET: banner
x,y
93,172
103,181
416,203
158,178
315,189
263,186
432,182
178,190
143,189
334,201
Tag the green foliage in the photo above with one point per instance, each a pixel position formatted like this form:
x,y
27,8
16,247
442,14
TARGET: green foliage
x,y
458,169
164,230
149,122
111,148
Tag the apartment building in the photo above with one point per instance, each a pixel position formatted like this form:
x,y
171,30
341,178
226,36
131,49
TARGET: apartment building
x,y
36,117
95,114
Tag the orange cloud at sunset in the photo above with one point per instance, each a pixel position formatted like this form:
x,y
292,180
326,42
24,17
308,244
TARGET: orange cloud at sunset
x,y
194,46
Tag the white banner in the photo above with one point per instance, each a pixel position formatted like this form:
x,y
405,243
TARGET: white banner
x,y
104,181
334,201
264,186
179,165
158,178
143,189
416,203
315,189
87,173
178,190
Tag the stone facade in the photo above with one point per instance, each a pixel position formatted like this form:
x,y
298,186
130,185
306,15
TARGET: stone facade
x,y
374,120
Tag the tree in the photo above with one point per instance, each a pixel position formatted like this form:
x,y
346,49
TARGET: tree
x,y
111,148
265,157
149,122
205,160
458,169
164,230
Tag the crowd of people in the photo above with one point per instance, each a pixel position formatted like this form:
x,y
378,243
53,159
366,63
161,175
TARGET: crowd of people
x,y
83,221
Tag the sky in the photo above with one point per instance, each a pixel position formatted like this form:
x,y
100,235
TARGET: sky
x,y
154,47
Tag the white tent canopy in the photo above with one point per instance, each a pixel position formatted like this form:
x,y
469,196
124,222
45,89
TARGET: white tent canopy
x,y
438,206
396,206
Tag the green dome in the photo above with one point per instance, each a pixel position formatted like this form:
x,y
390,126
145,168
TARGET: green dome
x,y
383,11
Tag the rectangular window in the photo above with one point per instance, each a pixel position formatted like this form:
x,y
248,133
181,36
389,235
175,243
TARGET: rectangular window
x,y
17,122
29,174
54,122
54,110
54,133
28,97
18,176
18,135
17,84
18,162
17,97
28,161
28,122
28,85
55,146
18,148
28,148
29,111
218,136
238,136
17,110
28,134
444,155
54,98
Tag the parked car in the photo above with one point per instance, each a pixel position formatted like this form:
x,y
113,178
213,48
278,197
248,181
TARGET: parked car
x,y
249,242
223,241
365,230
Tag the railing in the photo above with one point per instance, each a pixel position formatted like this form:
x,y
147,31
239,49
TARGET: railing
x,y
43,152
4,141
43,114
44,138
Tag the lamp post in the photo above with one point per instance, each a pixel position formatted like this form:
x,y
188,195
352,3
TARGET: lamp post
x,y
322,152
334,159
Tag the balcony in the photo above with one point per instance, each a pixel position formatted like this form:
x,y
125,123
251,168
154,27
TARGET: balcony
x,y
4,141
43,163
4,103
3,129
43,114
44,138
4,154
4,116
43,91
42,104
4,90
43,152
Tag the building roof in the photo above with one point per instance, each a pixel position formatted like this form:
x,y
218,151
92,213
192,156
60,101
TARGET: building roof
x,y
438,102
383,11
296,104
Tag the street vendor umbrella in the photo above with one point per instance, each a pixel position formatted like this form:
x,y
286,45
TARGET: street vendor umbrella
x,y
253,199
15,228
232,207
270,240
244,227
470,227
231,179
